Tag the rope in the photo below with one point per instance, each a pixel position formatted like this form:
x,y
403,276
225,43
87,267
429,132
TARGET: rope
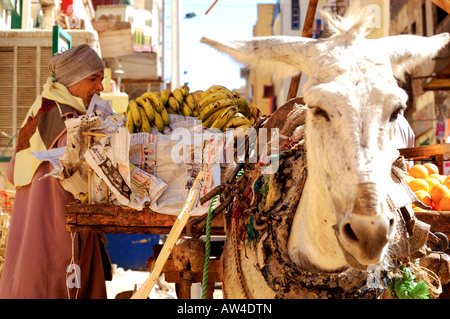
x,y
208,239
208,246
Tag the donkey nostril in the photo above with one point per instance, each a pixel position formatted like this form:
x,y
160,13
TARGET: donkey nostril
x,y
349,232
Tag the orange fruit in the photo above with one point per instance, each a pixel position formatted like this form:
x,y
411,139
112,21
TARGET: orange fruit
x,y
419,184
440,177
435,207
424,197
432,168
432,181
437,192
447,183
408,178
444,204
418,171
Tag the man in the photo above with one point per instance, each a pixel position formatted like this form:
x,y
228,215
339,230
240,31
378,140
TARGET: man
x,y
44,260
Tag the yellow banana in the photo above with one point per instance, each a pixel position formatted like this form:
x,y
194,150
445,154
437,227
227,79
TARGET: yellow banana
x,y
213,89
145,104
158,122
185,109
224,117
213,97
170,110
129,123
165,116
210,108
197,94
173,103
145,123
191,101
134,108
236,94
155,99
84,198
165,94
243,127
237,120
184,89
178,95
210,120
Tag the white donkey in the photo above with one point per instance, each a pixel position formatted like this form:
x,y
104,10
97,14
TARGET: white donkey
x,y
352,99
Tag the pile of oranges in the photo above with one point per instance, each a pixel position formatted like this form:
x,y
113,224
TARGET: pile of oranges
x,y
430,187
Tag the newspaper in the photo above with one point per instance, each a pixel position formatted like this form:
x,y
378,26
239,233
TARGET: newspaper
x,y
177,162
155,169
109,159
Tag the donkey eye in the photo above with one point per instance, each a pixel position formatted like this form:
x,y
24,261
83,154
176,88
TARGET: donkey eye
x,y
395,114
317,111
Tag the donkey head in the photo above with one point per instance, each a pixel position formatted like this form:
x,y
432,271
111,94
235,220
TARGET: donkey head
x,y
353,100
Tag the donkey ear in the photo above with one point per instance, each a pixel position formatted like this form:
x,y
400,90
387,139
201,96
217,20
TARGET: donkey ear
x,y
282,56
408,51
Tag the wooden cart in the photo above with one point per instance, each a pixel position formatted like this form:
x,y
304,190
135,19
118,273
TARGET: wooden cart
x,y
109,218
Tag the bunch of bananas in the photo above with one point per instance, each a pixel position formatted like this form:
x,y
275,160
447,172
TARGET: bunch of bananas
x,y
181,101
217,107
145,111
220,108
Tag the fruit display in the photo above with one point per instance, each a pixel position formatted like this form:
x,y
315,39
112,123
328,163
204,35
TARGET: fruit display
x,y
217,107
430,187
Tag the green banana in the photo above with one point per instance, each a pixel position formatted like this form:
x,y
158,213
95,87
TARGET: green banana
x,y
255,111
178,95
184,89
210,108
185,109
165,94
145,104
244,108
158,122
165,116
145,123
191,101
212,98
129,123
224,117
154,99
173,103
237,120
136,115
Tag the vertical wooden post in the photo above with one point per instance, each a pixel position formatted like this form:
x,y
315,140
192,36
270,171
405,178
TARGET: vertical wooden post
x,y
307,31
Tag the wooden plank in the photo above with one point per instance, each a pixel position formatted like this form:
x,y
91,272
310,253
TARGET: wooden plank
x,y
110,218
432,152
438,220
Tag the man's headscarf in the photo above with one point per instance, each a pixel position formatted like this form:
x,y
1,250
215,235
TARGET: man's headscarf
x,y
74,65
